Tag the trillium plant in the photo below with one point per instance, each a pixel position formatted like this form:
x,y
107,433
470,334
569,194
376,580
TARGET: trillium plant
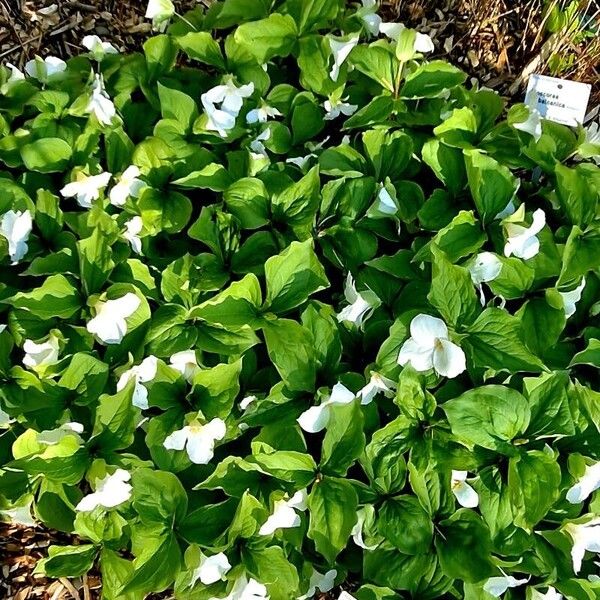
x,y
288,307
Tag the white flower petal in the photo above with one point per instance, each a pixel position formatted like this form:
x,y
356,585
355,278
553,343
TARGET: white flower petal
x,y
426,329
485,268
340,50
211,569
111,491
177,439
465,494
588,483
449,359
315,419
570,299
16,226
420,357
496,586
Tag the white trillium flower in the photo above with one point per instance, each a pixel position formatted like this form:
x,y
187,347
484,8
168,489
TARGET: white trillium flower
x,y
51,437
360,307
186,363
16,226
570,299
344,595
247,589
357,531
384,203
110,325
430,347
261,114
485,268
111,491
377,384
211,569
100,103
40,356
588,483
98,49
368,15
319,581
551,594
247,401
127,185
257,147
86,188
20,515
284,515
133,228
43,69
496,586
335,107
586,537
160,11
522,241
340,50
300,161
142,373
15,76
463,492
198,440
533,124
423,43
231,99
592,133
316,418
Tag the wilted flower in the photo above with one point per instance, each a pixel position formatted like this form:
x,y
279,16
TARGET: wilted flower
x,y
376,384
100,103
430,347
133,228
522,241
128,184
86,188
186,363
261,114
40,356
16,226
211,569
160,11
463,492
316,418
44,68
589,482
111,491
570,299
361,304
98,49
496,586
284,515
335,107
110,325
586,537
485,267
142,373
340,50
198,440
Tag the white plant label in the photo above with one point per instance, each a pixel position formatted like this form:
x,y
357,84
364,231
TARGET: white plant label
x,y
559,100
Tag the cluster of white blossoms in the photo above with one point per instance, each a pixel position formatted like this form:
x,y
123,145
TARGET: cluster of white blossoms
x,y
230,99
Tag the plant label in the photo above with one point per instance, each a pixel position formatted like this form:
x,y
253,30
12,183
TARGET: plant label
x,y
560,100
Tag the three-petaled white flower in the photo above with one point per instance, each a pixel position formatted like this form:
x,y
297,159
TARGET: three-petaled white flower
x,y
284,515
589,482
16,226
211,569
423,43
485,267
365,513
368,15
340,49
570,299
361,305
522,241
463,492
198,440
261,114
230,97
111,491
100,103
160,11
376,384
335,107
247,589
430,347
39,357
15,76
110,323
186,363
323,582
586,537
44,68
496,586
127,185
133,228
532,125
142,373
86,188
316,418
97,48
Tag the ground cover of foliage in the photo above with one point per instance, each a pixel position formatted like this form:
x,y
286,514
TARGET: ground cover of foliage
x,y
287,306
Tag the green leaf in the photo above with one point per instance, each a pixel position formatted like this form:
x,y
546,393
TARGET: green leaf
x,y
332,505
431,79
447,163
201,46
403,522
158,497
589,356
491,416
264,39
492,185
215,389
297,204
115,421
298,468
577,194
67,561
248,200
377,63
95,261
213,177
292,276
47,155
271,567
